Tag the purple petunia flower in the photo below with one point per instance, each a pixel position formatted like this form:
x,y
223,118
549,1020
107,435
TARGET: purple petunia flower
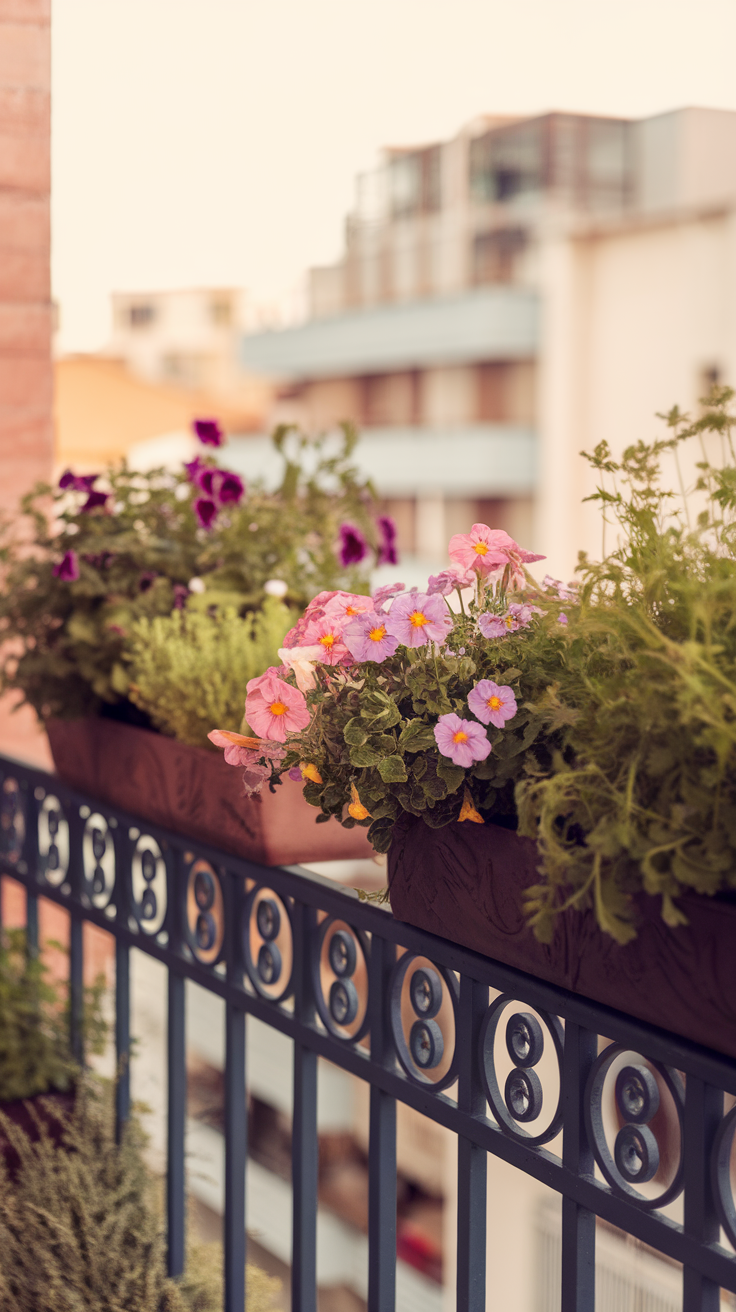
x,y
94,500
194,468
417,618
68,568
181,592
77,482
353,546
464,741
367,637
206,511
231,489
146,580
208,431
387,550
492,704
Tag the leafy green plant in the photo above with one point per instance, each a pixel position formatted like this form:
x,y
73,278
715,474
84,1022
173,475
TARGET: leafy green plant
x,y
95,555
188,670
80,1226
600,718
34,1023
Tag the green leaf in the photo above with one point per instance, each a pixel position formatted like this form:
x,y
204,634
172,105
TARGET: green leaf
x,y
392,770
416,736
452,775
362,757
355,733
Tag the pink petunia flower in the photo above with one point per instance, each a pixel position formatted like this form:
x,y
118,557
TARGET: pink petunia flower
x,y
346,606
417,618
455,576
67,569
274,709
464,741
492,704
382,594
326,633
368,639
490,551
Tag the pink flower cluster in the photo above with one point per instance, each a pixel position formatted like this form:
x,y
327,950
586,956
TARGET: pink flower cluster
x,y
516,617
465,741
491,552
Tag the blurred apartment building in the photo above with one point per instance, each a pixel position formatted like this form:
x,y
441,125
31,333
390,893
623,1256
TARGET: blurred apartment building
x,y
509,297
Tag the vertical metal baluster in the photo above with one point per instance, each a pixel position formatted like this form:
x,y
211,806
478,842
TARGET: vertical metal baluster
x,y
31,923
122,1037
382,1142
703,1112
236,1112
304,1145
177,1098
76,986
471,1160
578,1224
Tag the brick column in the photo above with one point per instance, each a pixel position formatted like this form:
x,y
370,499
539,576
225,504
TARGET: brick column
x,y
26,431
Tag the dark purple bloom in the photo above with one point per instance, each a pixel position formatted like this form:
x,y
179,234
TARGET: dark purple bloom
x,y
147,579
206,480
181,592
232,488
205,510
208,431
101,561
353,546
77,482
94,500
387,552
194,468
68,568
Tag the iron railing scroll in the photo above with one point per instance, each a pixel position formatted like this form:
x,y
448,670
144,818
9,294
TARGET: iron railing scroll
x,y
477,1047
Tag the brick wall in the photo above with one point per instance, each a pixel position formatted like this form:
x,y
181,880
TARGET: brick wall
x,y
26,435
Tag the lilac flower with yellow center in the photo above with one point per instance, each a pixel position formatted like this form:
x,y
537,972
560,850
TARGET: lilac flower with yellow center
x,y
464,741
367,637
491,703
417,618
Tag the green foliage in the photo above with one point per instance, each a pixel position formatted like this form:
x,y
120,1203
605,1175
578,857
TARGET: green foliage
x,y
65,643
642,794
34,1024
80,1227
189,670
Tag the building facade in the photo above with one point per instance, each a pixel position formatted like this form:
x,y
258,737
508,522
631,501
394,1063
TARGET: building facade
x,y
509,297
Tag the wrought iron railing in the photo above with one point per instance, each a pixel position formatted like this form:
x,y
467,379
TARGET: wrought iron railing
x,y
421,1020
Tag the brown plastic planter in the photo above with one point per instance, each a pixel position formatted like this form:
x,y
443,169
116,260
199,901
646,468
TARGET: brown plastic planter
x,y
192,791
466,883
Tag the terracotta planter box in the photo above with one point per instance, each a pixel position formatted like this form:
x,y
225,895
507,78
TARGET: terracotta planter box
x,y
465,882
192,791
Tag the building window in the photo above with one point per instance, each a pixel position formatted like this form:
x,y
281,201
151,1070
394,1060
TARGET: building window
x,y
141,314
494,254
415,181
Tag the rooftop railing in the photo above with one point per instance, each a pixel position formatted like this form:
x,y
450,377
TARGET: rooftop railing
x,y
587,1095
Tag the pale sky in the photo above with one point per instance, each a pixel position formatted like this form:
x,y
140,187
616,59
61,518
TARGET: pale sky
x,y
215,142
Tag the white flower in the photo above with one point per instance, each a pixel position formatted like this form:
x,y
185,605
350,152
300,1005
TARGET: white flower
x,y
182,491
301,661
196,585
275,588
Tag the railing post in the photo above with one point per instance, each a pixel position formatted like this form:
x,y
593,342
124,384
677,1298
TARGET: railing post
x,y
382,1141
122,1037
177,1078
236,1109
76,986
472,1161
578,1224
703,1112
304,1143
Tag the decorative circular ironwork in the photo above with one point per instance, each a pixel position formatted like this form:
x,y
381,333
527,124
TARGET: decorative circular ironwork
x,y
98,860
267,937
522,1099
336,951
721,1174
425,1049
205,918
53,841
635,1157
148,872
12,820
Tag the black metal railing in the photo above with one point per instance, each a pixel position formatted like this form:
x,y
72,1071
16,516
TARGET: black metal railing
x,y
420,1019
